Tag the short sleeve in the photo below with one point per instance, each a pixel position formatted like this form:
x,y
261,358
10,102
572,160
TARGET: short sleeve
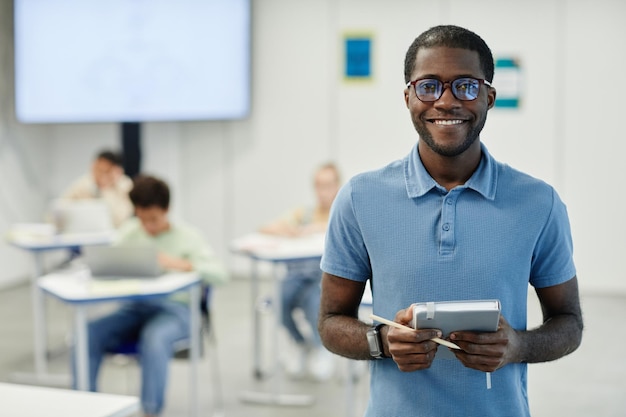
x,y
345,254
552,262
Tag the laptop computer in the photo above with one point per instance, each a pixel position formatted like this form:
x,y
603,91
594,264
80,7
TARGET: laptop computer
x,y
77,217
119,262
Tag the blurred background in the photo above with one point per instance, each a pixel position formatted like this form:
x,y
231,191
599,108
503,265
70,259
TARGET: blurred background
x,y
229,176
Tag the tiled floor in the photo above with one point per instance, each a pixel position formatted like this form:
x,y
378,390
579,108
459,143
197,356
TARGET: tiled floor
x,y
590,382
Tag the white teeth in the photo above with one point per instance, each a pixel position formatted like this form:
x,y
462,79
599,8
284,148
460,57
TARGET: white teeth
x,y
448,122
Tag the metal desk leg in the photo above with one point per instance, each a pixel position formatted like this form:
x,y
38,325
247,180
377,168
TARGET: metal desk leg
x,y
39,321
41,375
194,329
256,320
350,381
275,396
82,340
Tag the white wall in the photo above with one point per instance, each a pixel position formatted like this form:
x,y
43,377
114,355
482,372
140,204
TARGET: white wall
x,y
594,141
229,177
23,162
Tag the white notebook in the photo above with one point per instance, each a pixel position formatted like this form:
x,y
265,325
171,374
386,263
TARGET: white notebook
x,y
449,316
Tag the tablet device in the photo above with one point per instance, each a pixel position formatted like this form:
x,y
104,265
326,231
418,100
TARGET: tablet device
x,y
449,316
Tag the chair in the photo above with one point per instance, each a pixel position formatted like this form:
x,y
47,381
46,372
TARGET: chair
x,y
182,349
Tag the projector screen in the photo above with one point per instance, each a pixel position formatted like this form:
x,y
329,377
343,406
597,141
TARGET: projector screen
x,y
131,60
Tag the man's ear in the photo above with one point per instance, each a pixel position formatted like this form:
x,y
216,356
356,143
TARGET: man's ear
x,y
406,97
491,97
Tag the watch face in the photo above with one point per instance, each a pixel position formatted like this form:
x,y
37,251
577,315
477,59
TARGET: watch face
x,y
374,344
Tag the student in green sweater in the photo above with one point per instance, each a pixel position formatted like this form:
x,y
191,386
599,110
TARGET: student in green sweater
x,y
155,324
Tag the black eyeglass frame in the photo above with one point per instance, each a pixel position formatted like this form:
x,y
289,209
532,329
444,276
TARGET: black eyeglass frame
x,y
443,87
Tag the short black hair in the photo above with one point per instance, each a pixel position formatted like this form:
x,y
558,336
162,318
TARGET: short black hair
x,y
449,36
113,157
149,191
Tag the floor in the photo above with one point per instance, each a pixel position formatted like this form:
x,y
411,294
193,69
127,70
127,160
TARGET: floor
x,y
591,381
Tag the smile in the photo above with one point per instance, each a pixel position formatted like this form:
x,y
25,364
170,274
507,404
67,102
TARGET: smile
x,y
448,122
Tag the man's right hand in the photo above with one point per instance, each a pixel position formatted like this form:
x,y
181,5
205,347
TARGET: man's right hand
x,y
412,350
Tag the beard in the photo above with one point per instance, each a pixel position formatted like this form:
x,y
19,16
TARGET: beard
x,y
449,151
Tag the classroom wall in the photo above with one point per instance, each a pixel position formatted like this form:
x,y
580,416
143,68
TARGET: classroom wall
x,y
229,177
22,161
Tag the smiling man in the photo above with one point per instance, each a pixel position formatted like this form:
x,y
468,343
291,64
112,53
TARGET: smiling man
x,y
449,222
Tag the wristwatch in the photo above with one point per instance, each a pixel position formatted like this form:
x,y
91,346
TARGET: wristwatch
x,y
375,342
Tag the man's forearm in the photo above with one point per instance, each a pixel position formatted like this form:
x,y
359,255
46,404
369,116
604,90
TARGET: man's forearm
x,y
558,336
345,336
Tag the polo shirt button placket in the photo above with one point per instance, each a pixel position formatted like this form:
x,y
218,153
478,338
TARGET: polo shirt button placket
x,y
447,226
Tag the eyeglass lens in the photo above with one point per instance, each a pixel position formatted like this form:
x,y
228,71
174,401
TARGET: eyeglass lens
x,y
462,88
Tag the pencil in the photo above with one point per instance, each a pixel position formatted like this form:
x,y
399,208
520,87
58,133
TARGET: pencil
x,y
402,326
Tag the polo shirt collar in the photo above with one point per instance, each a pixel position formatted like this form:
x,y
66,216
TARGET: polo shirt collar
x,y
419,182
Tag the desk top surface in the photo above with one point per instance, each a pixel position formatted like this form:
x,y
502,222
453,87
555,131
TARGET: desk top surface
x,y
31,401
77,286
59,241
276,248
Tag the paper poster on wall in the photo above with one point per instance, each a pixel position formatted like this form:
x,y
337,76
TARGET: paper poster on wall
x,y
357,56
508,83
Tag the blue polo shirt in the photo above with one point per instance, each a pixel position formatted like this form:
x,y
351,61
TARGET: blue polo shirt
x,y
487,239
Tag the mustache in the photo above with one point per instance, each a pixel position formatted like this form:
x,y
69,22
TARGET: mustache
x,y
443,113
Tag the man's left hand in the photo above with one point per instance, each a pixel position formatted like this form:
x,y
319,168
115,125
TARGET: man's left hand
x,y
487,351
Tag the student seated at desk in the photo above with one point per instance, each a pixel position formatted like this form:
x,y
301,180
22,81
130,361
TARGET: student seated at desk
x,y
106,181
301,287
155,324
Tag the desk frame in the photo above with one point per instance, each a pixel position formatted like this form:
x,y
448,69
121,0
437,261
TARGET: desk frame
x,y
40,332
81,303
270,249
275,397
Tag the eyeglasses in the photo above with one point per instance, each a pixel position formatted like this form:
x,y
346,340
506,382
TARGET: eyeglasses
x,y
431,89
